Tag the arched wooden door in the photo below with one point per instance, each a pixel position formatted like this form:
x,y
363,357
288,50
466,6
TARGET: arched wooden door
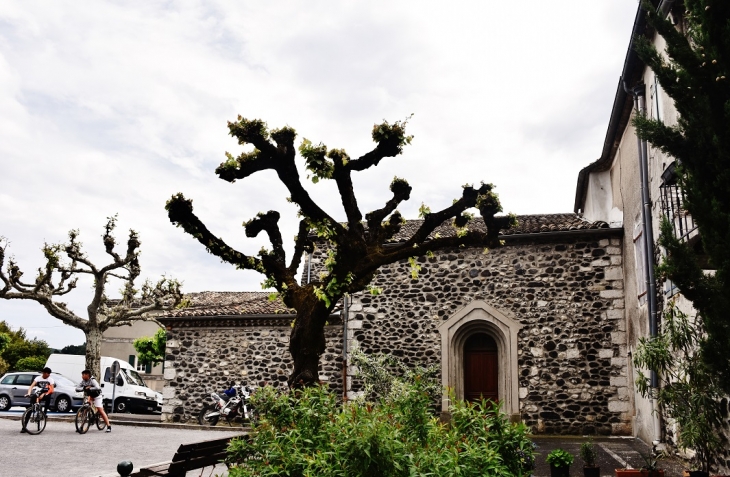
x,y
481,368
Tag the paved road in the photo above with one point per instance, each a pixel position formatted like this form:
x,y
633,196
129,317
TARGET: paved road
x,y
92,454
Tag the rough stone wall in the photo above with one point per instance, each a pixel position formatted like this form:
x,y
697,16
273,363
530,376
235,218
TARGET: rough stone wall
x,y
203,360
567,294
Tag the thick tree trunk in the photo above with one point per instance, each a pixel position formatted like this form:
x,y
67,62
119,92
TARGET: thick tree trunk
x,y
93,352
307,343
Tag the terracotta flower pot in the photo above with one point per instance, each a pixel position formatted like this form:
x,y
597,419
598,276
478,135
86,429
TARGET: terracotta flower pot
x,y
639,473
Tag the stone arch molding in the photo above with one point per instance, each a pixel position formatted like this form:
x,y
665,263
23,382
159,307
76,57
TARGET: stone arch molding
x,y
480,317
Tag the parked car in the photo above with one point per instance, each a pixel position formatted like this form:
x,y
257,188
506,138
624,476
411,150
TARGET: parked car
x,y
13,387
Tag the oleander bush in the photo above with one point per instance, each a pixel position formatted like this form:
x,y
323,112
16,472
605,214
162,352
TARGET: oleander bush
x,y
309,432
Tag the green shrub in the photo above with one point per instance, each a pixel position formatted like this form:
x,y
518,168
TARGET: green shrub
x,y
32,363
588,453
310,433
560,458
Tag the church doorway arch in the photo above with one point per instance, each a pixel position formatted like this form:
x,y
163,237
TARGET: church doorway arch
x,y
481,368
468,355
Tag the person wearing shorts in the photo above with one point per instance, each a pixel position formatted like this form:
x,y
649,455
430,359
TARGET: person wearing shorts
x,y
90,386
46,383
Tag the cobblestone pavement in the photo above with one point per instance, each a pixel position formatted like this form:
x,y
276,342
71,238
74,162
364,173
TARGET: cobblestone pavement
x,y
92,454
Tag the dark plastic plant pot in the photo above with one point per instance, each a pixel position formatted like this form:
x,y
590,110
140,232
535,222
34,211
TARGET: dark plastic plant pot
x,y
559,471
591,471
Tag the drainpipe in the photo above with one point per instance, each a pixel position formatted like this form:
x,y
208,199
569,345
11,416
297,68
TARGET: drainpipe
x,y
639,94
664,7
345,315
309,267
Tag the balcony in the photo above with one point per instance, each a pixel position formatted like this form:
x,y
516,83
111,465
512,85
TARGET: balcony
x,y
673,200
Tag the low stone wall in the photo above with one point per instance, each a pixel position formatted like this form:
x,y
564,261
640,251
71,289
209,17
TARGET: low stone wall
x,y
565,292
201,360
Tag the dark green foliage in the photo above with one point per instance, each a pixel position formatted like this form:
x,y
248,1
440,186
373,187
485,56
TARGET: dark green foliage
x,y
696,78
560,458
19,347
74,349
588,453
690,391
151,349
32,363
307,433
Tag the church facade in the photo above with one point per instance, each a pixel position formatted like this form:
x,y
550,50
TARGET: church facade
x,y
537,324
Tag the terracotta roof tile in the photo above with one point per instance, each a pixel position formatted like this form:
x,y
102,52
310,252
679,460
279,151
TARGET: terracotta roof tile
x,y
231,304
526,224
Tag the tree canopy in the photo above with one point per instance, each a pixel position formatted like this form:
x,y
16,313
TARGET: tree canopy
x,y
65,263
356,247
694,73
16,347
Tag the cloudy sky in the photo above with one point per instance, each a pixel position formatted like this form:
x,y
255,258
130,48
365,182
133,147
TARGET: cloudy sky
x,y
113,106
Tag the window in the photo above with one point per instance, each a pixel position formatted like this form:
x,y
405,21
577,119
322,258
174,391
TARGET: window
x,y
24,379
640,256
141,368
8,379
657,109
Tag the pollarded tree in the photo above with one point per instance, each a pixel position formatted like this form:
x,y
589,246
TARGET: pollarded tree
x,y
356,248
59,276
696,75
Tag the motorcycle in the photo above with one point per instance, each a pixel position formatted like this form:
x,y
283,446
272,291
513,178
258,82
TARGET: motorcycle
x,y
236,408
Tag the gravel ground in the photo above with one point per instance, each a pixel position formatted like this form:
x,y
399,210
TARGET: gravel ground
x,y
67,453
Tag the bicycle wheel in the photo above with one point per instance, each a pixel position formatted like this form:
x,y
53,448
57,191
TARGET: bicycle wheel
x,y
83,420
100,424
37,421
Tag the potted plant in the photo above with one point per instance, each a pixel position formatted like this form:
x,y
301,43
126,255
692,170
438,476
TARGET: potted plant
x,y
689,392
588,454
560,461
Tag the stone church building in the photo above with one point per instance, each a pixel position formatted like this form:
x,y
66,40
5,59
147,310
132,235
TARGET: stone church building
x,y
547,323
538,324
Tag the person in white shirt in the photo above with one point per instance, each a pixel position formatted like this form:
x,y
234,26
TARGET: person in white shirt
x,y
47,384
90,386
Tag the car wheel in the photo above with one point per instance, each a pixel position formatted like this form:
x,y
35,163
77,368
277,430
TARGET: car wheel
x,y
4,403
120,405
63,404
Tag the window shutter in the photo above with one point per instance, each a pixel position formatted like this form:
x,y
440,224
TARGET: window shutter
x,y
148,368
131,360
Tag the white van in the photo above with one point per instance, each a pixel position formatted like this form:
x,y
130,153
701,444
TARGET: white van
x,y
131,395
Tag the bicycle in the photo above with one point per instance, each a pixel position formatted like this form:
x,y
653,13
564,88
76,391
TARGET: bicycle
x,y
34,419
88,415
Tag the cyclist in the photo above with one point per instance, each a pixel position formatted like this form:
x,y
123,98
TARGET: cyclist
x,y
47,384
90,387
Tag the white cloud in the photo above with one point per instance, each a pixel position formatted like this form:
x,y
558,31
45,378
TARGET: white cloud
x,y
112,108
